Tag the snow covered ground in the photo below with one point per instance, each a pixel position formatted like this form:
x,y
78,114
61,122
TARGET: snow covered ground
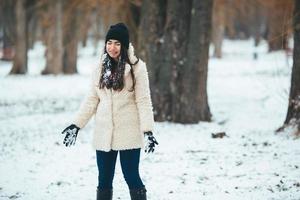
x,y
248,100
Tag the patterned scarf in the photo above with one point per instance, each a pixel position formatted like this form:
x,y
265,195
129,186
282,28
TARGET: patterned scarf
x,y
112,73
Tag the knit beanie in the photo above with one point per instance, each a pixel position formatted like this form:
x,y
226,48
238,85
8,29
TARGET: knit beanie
x,y
118,32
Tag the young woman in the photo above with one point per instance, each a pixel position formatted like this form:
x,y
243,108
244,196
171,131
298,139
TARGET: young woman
x,y
119,96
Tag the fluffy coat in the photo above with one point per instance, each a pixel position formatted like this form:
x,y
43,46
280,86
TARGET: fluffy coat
x,y
121,117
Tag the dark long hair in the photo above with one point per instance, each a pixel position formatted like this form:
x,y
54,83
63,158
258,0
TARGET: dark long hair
x,y
119,67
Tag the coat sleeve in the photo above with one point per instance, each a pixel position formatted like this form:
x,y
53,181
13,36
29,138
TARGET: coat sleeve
x,y
89,105
143,98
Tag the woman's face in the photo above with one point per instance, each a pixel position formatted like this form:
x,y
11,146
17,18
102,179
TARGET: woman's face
x,y
113,48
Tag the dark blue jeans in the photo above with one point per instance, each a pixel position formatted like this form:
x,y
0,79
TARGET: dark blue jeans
x,y
129,159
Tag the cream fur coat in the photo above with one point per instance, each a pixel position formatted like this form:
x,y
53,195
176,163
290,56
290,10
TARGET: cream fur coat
x,y
121,117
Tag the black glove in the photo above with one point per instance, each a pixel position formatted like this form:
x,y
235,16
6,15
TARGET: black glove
x,y
150,142
71,134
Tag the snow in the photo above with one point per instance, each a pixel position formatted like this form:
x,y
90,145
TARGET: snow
x,y
248,100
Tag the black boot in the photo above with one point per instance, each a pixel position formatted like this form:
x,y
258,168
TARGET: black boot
x,y
138,194
104,194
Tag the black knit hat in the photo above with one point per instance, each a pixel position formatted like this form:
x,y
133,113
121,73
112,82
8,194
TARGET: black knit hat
x,y
118,32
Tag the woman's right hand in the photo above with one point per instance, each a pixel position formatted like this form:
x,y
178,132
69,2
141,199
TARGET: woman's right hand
x,y
71,134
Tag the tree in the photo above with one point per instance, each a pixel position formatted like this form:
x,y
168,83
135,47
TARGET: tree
x,y
278,12
32,19
20,58
72,13
54,39
293,113
218,29
152,41
194,105
8,22
174,40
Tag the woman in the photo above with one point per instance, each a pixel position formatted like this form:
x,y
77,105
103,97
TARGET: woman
x,y
119,97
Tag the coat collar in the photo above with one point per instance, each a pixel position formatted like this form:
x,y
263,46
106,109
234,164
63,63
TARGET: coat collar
x,y
131,54
132,58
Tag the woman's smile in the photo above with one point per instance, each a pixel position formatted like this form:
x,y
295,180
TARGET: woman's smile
x,y
113,48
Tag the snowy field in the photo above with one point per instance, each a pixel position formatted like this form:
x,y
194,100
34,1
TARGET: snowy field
x,y
248,100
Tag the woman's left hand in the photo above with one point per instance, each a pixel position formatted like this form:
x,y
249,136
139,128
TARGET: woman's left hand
x,y
150,142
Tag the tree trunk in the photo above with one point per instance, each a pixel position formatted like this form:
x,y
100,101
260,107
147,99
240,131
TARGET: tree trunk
x,y
278,15
71,37
259,23
194,101
134,21
54,39
218,29
8,48
151,44
8,21
293,114
218,35
176,39
32,22
166,43
20,58
98,31
84,26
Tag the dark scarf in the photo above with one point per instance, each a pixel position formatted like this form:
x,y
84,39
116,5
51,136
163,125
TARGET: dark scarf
x,y
112,73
